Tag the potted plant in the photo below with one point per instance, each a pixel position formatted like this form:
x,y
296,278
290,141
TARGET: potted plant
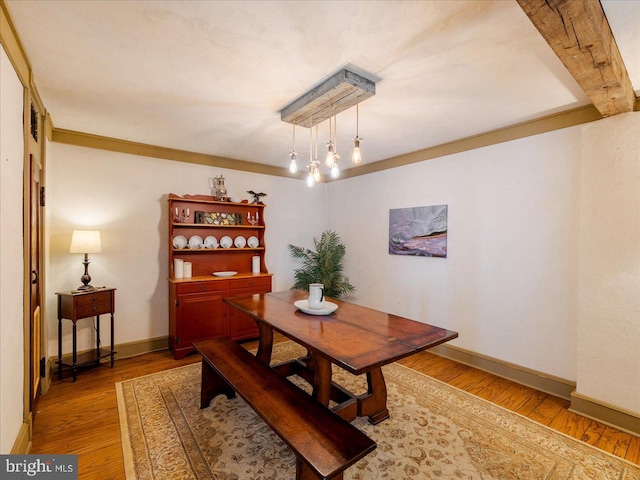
x,y
323,266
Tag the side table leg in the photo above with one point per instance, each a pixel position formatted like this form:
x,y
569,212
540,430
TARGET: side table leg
x,y
59,348
112,353
98,340
74,366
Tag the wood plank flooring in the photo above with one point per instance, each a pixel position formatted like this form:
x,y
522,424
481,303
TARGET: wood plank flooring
x,y
82,417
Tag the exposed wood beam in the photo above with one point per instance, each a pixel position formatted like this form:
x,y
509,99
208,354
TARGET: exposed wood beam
x,y
579,34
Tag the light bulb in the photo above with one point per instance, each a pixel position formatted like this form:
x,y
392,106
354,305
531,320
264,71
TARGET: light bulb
x,y
335,171
293,166
330,155
310,180
356,156
316,174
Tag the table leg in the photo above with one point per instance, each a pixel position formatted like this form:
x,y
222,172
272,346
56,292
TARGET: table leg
x,y
321,368
74,354
98,340
374,403
112,340
265,344
59,348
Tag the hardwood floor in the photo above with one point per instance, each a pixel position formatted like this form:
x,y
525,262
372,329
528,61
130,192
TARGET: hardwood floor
x,y
82,417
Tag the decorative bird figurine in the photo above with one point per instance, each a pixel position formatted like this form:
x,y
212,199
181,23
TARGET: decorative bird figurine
x,y
256,196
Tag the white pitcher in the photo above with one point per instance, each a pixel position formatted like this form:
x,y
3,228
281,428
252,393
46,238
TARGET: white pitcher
x,y
316,296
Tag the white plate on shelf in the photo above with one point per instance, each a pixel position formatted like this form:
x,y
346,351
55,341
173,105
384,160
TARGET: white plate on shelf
x,y
329,308
179,241
226,242
195,241
253,242
225,274
210,242
240,241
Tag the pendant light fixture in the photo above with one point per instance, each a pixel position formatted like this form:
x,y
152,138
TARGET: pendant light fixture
x,y
356,156
324,101
331,147
313,175
316,163
335,169
293,164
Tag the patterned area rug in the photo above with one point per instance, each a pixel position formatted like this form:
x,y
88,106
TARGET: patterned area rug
x,y
435,431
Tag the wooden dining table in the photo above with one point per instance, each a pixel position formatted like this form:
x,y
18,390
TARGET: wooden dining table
x,y
357,339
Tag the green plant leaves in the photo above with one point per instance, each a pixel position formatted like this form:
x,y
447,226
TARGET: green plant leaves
x,y
322,266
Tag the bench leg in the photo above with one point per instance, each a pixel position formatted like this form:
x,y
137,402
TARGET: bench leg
x,y
303,472
212,385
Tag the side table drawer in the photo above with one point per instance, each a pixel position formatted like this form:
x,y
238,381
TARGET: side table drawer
x,y
93,310
93,298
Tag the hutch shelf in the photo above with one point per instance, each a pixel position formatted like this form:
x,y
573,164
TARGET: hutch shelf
x,y
196,307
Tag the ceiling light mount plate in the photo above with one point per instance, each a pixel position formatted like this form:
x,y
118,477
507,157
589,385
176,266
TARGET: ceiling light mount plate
x,y
335,94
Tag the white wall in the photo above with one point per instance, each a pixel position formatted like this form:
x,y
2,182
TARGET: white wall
x,y
11,255
124,196
508,284
517,283
609,267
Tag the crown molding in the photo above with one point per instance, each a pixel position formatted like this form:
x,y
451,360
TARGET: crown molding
x,y
545,124
80,139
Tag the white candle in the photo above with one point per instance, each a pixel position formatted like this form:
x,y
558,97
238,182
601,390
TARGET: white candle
x,y
187,269
178,268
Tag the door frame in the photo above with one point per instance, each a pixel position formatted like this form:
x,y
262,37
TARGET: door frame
x,y
35,150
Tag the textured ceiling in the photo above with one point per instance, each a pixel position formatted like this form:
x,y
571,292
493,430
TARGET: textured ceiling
x,y
211,76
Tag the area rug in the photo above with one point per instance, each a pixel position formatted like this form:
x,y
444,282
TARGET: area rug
x,y
435,431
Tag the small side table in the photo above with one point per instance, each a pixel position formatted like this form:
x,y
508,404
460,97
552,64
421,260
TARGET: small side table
x,y
76,305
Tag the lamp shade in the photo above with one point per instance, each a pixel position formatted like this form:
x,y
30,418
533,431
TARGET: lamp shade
x,y
85,241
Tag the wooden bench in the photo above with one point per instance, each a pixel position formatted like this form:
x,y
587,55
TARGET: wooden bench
x,y
324,443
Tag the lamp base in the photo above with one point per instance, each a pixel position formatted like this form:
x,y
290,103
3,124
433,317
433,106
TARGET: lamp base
x,y
86,278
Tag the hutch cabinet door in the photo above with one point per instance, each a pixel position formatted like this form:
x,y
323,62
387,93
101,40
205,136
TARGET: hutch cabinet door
x,y
199,316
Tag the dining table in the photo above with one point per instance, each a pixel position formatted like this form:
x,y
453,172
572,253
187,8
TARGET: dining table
x,y
356,338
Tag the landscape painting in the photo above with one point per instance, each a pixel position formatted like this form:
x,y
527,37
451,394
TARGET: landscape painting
x,y
419,231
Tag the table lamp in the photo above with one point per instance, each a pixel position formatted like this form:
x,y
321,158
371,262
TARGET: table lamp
x,y
85,241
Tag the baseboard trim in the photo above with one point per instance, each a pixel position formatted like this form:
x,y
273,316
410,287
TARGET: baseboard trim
x,y
605,413
560,387
140,347
557,386
22,445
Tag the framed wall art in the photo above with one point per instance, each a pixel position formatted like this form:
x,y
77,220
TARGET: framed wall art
x,y
418,231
